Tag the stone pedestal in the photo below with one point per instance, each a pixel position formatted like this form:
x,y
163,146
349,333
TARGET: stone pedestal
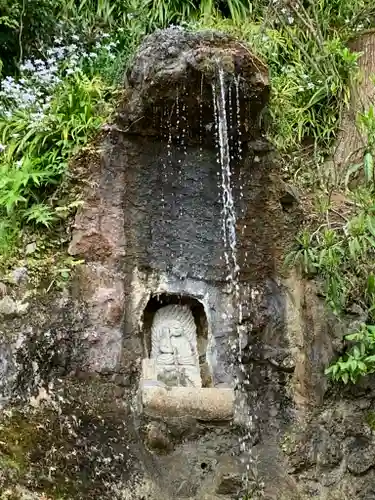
x,y
202,404
158,400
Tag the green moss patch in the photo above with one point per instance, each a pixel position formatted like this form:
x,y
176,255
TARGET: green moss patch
x,y
74,446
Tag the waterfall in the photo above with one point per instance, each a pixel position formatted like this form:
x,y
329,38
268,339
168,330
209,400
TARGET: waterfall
x,y
229,145
229,213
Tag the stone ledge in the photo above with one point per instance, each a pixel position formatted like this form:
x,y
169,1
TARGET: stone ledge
x,y
200,403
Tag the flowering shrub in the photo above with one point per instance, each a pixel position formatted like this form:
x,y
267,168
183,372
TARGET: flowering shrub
x,y
51,110
29,27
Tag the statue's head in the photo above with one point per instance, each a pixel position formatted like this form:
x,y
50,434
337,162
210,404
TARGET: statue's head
x,y
172,321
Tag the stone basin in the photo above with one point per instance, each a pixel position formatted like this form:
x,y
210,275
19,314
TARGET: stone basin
x,y
207,403
201,403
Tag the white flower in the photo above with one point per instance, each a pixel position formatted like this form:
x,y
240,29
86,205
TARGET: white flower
x,y
28,97
75,37
60,52
37,116
28,66
2,148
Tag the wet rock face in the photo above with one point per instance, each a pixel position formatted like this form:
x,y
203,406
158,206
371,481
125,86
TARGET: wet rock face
x,y
78,443
154,223
175,63
332,452
38,345
174,191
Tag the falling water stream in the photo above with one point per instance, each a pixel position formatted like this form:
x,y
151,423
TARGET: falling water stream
x,y
229,213
230,152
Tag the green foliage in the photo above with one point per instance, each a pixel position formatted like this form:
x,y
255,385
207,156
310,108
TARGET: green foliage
x,y
9,235
351,279
162,12
359,360
342,256
370,419
30,25
366,125
305,47
26,26
37,151
342,253
304,44
304,256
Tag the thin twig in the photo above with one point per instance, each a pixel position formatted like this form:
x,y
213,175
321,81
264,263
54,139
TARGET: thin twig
x,y
109,127
318,31
308,25
21,31
299,45
338,213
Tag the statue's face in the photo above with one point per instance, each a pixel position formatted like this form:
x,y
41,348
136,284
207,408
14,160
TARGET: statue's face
x,y
177,330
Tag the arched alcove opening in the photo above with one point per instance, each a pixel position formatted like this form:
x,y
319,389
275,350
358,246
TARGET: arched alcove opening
x,y
196,308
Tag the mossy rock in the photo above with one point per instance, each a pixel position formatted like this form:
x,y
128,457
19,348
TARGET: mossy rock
x,y
370,419
74,446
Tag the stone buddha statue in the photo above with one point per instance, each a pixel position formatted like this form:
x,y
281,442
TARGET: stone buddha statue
x,y
174,346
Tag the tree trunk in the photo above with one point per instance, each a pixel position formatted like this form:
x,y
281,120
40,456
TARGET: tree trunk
x,y
350,142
